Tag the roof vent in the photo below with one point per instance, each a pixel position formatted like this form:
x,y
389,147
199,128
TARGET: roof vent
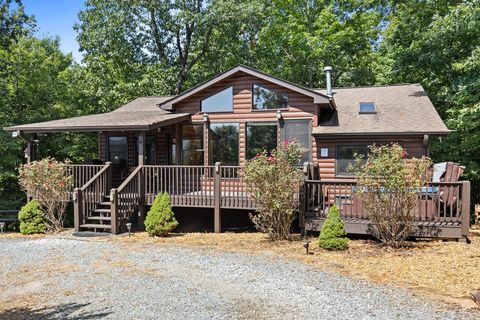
x,y
328,75
367,108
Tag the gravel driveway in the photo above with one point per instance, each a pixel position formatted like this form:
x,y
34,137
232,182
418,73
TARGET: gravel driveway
x,y
54,278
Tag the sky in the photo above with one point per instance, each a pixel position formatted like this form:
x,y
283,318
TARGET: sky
x,y
56,18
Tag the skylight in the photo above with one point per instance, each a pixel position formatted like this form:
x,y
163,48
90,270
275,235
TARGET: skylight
x,y
367,107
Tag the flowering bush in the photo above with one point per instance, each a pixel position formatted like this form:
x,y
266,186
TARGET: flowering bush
x,y
49,182
387,184
274,183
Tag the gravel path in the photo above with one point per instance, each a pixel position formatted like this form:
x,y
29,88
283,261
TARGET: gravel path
x,y
76,279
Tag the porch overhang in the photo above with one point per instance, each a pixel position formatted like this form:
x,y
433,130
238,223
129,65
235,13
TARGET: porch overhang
x,y
111,121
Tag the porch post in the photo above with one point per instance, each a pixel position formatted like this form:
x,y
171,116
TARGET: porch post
x,y
178,144
465,215
206,129
217,189
77,208
141,148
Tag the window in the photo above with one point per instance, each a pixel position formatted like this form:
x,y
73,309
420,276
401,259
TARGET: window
x,y
346,156
118,151
219,102
192,144
223,143
367,107
266,99
298,130
261,136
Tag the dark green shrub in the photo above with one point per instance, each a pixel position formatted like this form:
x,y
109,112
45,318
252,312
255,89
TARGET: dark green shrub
x,y
160,218
333,235
32,218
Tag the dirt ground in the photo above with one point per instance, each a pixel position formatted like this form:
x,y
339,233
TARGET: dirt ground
x,y
445,270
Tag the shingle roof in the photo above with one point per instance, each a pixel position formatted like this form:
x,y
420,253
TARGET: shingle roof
x,y
140,114
401,109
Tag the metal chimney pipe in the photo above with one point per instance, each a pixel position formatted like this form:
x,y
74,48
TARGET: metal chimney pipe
x,y
328,74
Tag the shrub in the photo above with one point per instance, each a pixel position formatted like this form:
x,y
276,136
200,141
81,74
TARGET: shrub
x,y
274,182
49,182
160,218
333,235
32,218
387,184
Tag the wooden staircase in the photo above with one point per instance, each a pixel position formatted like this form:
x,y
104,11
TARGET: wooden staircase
x,y
99,219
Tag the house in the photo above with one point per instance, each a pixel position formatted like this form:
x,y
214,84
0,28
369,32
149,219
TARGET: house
x,y
193,145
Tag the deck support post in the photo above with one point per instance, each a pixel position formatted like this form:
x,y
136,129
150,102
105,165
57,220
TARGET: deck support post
x,y
141,205
217,189
77,208
465,208
302,199
114,210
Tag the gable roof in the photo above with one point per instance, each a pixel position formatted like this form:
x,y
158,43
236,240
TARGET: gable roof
x,y
318,97
140,114
401,109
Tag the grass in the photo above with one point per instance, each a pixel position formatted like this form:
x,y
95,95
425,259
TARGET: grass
x,y
441,270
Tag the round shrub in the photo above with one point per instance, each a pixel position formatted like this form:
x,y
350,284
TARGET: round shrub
x,y
160,218
32,218
332,234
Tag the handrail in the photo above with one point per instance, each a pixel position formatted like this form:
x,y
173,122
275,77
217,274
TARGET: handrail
x,y
126,200
87,198
95,177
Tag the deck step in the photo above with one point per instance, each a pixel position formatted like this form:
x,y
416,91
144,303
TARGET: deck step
x,y
107,203
99,218
95,226
102,210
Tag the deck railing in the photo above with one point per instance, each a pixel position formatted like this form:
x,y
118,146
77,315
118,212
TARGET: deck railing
x,y
82,173
127,201
88,196
438,201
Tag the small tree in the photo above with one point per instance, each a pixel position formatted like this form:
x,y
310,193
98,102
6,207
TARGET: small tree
x,y
32,218
160,218
274,183
387,185
333,235
49,182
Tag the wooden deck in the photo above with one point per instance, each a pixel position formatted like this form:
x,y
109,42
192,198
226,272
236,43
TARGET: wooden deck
x,y
443,211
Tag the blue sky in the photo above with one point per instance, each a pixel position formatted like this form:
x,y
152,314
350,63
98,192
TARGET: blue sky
x,y
56,18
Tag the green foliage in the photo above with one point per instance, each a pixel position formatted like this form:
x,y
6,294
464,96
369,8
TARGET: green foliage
x,y
160,218
387,184
49,182
333,235
274,181
32,218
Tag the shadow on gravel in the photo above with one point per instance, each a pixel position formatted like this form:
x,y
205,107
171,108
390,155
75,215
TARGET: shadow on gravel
x,y
89,234
66,311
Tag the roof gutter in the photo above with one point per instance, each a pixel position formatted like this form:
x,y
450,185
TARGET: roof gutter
x,y
347,134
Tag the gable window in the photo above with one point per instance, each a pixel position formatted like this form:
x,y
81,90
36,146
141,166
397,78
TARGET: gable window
x,y
260,136
298,130
367,107
224,143
219,102
267,99
346,157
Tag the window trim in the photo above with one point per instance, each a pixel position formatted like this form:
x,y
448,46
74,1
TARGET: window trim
x,y
367,112
264,110
214,93
337,146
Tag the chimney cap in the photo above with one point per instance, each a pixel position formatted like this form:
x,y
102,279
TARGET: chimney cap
x,y
328,68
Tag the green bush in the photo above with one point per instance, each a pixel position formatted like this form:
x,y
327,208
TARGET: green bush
x,y
160,219
333,235
32,218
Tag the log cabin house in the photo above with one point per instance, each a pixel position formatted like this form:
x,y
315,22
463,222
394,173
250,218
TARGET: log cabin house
x,y
193,146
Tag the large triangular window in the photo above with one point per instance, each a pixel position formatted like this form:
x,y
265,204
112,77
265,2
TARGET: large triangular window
x,y
219,102
267,99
